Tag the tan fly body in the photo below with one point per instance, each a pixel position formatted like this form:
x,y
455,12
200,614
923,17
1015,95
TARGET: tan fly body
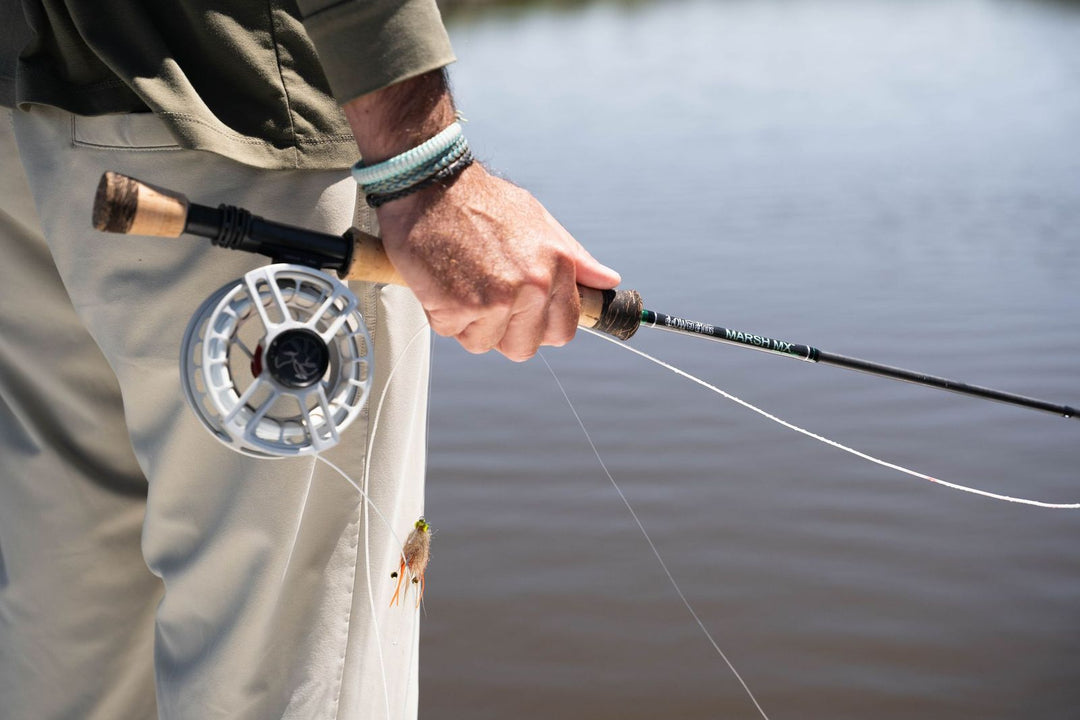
x,y
414,559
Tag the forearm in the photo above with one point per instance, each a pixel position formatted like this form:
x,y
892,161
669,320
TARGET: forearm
x,y
401,116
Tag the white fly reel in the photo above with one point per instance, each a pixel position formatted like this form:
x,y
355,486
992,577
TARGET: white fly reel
x,y
278,363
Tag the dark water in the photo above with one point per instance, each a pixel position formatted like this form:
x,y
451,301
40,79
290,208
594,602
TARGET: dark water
x,y
898,181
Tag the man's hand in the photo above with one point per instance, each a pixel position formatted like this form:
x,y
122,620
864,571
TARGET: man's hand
x,y
489,264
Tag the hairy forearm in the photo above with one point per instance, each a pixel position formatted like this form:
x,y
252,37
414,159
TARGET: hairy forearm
x,y
399,117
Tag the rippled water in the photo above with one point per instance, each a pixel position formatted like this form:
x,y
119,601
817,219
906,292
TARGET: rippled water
x,y
898,181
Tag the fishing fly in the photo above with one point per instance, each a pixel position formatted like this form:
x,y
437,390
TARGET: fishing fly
x,y
415,555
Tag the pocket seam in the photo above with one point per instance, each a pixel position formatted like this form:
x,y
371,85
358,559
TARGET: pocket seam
x,y
77,142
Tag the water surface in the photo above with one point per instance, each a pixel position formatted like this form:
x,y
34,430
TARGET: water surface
x,y
898,181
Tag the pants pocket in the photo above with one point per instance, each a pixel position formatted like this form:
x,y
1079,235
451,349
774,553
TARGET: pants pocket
x,y
142,131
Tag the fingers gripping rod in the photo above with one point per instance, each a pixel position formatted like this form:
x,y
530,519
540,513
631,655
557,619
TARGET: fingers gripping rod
x,y
128,206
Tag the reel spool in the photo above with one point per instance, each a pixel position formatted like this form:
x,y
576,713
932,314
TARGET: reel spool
x,y
278,363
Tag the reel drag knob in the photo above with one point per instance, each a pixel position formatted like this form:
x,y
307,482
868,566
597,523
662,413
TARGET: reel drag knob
x,y
297,359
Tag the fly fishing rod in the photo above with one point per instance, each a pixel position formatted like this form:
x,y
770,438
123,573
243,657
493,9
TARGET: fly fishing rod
x,y
811,354
301,257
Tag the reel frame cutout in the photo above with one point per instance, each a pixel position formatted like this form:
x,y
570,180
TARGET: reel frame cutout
x,y
278,363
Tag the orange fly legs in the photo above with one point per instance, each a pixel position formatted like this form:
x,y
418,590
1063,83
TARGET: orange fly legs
x,y
403,569
397,589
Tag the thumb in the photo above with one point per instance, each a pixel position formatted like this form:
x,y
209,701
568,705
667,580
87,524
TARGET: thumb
x,y
592,273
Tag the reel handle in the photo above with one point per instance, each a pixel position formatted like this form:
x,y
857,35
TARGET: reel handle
x,y
128,206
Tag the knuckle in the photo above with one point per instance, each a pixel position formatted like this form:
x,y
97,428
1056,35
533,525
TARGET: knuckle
x,y
560,335
561,340
442,329
474,345
518,355
445,325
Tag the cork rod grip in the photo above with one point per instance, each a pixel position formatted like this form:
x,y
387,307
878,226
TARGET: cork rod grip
x,y
369,260
128,206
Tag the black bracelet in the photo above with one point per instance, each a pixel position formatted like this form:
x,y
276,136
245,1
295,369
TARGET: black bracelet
x,y
377,199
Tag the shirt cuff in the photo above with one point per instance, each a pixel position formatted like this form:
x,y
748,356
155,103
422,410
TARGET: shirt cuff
x,y
366,45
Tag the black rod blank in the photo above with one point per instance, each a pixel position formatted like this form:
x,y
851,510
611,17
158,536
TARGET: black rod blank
x,y
808,353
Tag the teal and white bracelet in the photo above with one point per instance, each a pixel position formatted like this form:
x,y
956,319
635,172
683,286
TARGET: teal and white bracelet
x,y
420,172
439,158
409,160
450,170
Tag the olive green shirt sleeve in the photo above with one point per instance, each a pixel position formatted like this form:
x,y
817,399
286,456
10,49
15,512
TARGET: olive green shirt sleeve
x,y
366,45
14,34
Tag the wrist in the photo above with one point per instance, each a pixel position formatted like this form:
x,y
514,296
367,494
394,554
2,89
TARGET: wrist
x,y
436,160
397,216
399,117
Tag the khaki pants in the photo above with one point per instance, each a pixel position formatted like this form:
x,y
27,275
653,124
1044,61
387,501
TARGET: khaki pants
x,y
136,552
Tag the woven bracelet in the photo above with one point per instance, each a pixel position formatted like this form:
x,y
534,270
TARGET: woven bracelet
x,y
409,160
378,199
422,172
